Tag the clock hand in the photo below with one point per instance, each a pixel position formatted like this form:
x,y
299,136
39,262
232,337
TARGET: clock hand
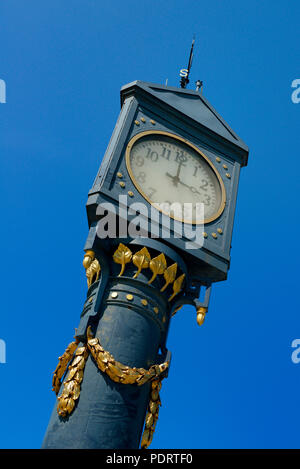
x,y
176,178
192,188
170,176
178,169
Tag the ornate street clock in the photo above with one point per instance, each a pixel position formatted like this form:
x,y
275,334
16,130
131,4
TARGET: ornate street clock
x,y
173,159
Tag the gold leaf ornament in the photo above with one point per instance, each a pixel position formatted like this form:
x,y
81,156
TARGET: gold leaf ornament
x,y
92,271
92,267
72,383
157,265
169,275
141,260
122,256
177,286
89,256
152,414
149,420
62,366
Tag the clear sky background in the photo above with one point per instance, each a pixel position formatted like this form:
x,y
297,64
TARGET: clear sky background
x,y
232,382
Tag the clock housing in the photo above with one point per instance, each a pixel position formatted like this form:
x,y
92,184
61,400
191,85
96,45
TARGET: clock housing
x,y
185,117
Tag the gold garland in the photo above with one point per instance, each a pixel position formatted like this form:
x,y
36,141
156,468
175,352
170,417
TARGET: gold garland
x,y
62,366
118,372
71,390
152,414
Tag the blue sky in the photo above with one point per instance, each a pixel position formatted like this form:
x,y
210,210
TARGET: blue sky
x,y
232,383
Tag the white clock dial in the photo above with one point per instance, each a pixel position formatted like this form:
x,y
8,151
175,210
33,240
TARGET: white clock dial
x,y
167,170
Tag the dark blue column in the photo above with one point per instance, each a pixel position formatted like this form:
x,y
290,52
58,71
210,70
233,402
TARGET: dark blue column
x,y
131,325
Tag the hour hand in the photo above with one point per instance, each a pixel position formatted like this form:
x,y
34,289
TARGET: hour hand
x,y
176,179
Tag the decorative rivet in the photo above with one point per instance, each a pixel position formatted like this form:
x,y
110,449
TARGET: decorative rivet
x,y
122,184
219,230
143,119
129,297
228,175
90,300
214,235
225,166
120,175
114,294
136,122
155,309
204,234
144,302
218,159
152,122
130,193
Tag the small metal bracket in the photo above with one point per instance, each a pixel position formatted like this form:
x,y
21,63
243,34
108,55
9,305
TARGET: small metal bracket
x,y
205,303
190,299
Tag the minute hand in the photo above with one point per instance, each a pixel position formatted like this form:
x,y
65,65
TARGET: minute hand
x,y
192,188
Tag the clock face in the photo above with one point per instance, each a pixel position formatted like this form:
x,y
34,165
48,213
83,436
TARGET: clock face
x,y
170,172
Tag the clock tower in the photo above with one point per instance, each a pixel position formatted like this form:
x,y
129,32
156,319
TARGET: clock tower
x,y
160,215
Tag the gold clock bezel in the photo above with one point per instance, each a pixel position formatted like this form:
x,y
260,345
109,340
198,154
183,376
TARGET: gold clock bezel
x,y
191,145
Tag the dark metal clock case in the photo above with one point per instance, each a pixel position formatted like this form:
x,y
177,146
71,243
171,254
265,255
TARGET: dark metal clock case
x,y
185,113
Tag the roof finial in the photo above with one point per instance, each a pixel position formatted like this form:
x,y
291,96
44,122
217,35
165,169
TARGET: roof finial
x,y
199,85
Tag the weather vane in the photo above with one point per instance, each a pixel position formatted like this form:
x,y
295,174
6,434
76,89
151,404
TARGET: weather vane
x,y
184,72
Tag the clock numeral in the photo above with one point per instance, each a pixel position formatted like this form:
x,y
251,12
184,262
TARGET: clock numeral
x,y
207,199
141,177
204,185
166,153
139,161
196,170
152,192
180,157
153,155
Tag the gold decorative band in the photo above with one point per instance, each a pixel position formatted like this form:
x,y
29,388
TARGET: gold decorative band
x,y
142,260
158,266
